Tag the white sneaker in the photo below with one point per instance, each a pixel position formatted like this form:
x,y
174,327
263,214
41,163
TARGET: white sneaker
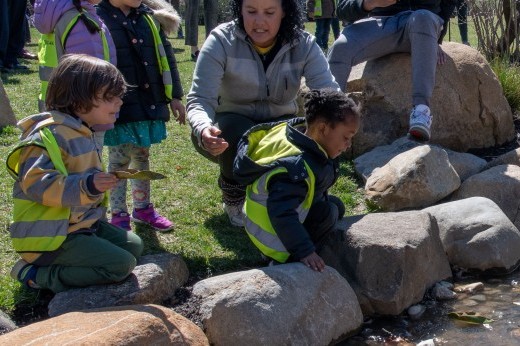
x,y
235,214
420,122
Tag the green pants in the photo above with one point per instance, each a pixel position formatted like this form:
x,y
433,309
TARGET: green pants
x,y
104,257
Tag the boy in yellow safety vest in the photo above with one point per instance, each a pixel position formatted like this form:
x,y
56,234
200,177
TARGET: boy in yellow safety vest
x,y
59,190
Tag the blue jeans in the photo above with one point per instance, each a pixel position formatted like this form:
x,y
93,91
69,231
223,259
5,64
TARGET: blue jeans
x,y
462,19
335,27
12,30
322,32
416,32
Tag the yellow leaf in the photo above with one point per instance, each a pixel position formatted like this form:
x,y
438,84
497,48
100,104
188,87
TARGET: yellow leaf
x,y
469,317
140,175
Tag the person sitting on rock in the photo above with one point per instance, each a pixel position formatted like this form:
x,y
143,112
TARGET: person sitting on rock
x,y
288,168
380,27
60,187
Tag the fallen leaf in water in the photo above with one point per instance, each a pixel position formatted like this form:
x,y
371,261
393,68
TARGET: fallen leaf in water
x,y
469,317
139,175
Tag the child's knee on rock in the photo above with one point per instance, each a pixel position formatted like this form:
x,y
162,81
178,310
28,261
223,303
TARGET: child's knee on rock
x,y
119,269
134,245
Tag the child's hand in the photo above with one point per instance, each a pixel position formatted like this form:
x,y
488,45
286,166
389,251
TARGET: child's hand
x,y
314,261
179,111
104,181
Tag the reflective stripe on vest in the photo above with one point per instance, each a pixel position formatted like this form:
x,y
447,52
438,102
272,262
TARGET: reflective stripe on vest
x,y
52,48
162,59
35,227
257,223
318,10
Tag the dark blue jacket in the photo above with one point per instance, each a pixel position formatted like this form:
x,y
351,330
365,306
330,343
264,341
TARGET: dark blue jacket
x,y
137,61
288,190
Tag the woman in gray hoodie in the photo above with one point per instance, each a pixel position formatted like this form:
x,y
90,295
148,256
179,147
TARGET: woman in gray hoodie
x,y
248,72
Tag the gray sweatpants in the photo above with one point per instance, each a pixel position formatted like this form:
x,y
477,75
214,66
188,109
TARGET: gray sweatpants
x,y
416,32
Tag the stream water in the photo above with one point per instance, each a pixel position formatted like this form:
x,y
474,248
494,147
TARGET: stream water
x,y
499,301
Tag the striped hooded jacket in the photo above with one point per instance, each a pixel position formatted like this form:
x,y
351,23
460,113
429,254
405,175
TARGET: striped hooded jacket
x,y
40,182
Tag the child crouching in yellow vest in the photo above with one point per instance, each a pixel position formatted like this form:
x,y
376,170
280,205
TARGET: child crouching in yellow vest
x,y
288,168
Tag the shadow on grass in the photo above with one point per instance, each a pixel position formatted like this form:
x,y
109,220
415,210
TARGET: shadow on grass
x,y
203,268
233,239
152,244
14,76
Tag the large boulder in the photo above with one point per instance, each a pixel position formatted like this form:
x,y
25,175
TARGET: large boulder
x,y
464,164
287,304
512,157
124,325
468,106
153,280
389,259
6,324
416,178
501,184
476,234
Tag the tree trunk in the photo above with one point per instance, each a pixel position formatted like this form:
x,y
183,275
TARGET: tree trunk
x,y
512,26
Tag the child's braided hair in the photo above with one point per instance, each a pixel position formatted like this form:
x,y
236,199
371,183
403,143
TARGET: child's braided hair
x,y
329,105
91,27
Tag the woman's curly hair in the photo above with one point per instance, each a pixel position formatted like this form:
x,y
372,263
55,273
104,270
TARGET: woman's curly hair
x,y
329,105
292,23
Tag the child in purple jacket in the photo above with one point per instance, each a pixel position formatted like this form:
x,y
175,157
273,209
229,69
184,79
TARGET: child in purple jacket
x,y
74,27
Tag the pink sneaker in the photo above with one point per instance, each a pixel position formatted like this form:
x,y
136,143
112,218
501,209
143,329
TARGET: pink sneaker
x,y
121,220
150,217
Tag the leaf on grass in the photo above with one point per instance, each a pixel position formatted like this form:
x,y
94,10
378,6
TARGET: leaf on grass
x,y
470,317
140,175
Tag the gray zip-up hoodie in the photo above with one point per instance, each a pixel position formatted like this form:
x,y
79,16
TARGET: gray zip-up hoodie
x,y
229,77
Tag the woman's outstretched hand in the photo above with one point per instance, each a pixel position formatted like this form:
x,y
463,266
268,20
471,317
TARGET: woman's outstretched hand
x,y
211,142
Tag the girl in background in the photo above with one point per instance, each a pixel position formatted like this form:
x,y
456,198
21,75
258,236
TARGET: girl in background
x,y
145,58
67,27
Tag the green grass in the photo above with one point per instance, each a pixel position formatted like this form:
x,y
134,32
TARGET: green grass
x,y
189,197
509,77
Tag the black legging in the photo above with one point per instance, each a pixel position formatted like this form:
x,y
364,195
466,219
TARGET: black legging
x,y
233,127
